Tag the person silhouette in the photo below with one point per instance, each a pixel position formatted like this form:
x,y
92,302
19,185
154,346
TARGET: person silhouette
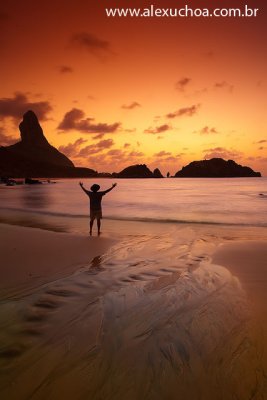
x,y
95,197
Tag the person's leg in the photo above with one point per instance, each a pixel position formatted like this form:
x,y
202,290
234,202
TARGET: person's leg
x,y
98,225
91,225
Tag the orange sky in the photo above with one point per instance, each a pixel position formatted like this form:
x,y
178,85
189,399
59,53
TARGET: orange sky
x,y
115,92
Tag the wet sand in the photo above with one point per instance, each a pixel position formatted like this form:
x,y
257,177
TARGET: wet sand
x,y
154,315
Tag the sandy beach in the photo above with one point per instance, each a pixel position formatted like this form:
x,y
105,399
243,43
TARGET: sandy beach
x,y
152,315
31,257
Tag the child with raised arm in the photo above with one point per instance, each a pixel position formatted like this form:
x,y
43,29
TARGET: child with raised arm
x,y
95,204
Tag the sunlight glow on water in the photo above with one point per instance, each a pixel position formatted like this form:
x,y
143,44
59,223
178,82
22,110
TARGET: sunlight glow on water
x,y
223,201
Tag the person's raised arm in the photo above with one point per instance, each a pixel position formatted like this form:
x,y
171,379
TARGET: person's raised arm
x,y
108,190
85,191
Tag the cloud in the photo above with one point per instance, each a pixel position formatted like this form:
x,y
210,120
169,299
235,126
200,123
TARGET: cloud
x,y
224,85
65,69
162,154
91,43
95,148
158,129
207,131
72,149
182,84
75,120
131,106
136,154
6,140
115,152
261,141
99,136
221,152
184,112
15,107
130,130
126,145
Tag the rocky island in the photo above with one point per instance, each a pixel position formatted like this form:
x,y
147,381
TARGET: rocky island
x,y
215,168
138,171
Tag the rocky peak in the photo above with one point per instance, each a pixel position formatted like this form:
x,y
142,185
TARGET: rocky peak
x,y
31,131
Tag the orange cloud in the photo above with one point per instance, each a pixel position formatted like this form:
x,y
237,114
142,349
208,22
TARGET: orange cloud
x,y
95,148
162,154
207,131
221,152
72,149
6,140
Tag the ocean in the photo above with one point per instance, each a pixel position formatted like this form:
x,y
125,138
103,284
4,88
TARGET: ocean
x,y
235,201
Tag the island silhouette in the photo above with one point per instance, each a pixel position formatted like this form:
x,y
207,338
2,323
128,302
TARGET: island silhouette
x,y
34,156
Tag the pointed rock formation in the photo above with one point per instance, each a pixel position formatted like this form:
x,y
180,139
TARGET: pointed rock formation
x,y
33,156
31,132
157,173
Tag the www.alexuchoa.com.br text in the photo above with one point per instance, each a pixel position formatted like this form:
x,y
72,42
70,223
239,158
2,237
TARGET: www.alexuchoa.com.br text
x,y
183,12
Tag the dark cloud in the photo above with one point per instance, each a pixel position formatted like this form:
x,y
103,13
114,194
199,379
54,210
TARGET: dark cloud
x,y
75,120
91,43
15,107
99,136
184,112
261,141
207,131
182,84
224,85
65,69
162,154
96,148
72,149
158,129
221,152
126,145
131,106
262,148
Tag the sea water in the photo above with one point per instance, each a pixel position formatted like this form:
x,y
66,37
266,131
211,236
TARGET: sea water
x,y
234,201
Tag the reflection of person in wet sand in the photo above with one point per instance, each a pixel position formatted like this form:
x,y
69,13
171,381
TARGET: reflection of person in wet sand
x,y
95,203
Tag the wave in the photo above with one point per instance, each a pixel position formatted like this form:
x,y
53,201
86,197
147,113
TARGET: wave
x,y
137,219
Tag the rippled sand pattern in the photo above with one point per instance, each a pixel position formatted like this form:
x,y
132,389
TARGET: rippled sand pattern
x,y
135,324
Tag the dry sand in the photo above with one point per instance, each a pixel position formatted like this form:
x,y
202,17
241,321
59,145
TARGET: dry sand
x,y
248,261
30,257
158,316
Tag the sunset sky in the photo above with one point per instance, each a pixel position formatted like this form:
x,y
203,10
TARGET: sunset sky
x,y
112,92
